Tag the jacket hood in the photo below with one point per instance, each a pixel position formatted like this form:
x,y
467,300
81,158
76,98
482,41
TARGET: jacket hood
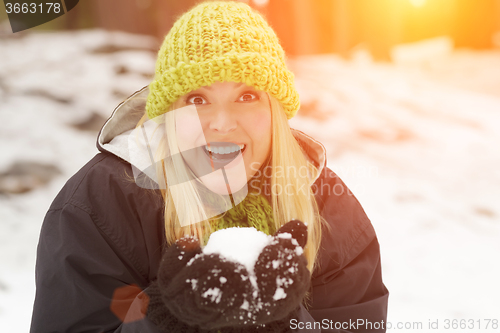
x,y
115,133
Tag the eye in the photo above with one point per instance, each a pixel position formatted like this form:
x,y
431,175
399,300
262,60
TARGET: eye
x,y
196,99
248,97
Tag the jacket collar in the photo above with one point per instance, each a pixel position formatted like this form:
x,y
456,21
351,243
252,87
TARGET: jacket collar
x,y
113,137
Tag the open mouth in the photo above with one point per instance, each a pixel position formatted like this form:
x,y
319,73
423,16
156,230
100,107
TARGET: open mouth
x,y
223,151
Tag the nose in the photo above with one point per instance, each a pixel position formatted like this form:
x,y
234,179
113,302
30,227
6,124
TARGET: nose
x,y
223,121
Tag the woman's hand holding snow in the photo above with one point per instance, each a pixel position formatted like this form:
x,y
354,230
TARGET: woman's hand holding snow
x,y
160,304
197,292
208,291
241,279
282,274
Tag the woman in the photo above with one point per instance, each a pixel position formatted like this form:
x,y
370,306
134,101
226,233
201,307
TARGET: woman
x,y
205,147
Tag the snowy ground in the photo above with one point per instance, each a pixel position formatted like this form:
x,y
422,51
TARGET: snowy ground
x,y
417,144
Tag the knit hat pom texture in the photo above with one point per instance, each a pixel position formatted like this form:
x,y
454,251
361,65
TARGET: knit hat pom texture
x,y
220,41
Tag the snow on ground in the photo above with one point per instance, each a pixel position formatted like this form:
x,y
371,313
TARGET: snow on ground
x,y
50,85
417,144
419,149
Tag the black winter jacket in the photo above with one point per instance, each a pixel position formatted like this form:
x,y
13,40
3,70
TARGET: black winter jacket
x,y
103,236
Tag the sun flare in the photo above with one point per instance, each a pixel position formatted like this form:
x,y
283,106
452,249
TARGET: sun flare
x,y
418,3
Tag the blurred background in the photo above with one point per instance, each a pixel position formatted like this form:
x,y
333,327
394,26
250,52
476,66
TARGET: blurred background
x,y
315,26
404,94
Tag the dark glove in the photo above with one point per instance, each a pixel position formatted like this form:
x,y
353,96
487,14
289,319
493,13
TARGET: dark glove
x,y
174,259
282,274
159,314
210,293
282,278
185,297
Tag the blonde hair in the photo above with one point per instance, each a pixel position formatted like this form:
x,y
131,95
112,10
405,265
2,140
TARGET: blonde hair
x,y
296,202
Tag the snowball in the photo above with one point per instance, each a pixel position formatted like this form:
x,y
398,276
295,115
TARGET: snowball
x,y
241,245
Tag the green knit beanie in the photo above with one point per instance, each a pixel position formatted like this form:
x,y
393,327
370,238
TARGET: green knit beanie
x,y
220,41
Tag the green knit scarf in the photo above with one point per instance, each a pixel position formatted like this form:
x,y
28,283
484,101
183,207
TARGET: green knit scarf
x,y
254,211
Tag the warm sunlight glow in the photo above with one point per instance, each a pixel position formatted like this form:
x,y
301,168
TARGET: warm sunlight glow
x,y
418,3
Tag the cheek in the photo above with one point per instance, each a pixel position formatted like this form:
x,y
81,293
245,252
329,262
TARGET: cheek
x,y
191,128
260,129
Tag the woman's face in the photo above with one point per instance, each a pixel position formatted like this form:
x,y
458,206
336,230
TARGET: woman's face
x,y
236,133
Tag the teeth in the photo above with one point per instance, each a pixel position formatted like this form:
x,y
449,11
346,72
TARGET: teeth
x,y
224,150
